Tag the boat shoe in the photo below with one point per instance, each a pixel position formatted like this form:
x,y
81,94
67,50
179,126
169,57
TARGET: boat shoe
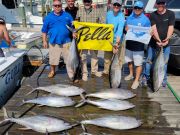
x,y
128,77
96,74
51,75
135,85
85,77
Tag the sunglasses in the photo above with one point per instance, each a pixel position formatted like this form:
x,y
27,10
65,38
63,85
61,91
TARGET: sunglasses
x,y
57,6
137,8
116,5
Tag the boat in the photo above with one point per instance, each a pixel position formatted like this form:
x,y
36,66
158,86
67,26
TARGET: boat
x,y
10,11
11,67
25,38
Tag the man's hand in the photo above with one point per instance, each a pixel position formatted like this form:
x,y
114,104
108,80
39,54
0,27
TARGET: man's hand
x,y
115,48
165,42
45,45
74,34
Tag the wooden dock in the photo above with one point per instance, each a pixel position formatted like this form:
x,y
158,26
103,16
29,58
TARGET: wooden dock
x,y
159,112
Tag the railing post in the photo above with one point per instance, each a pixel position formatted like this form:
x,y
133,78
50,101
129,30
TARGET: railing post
x,y
23,14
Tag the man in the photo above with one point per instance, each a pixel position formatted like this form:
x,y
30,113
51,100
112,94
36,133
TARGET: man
x,y
54,27
3,35
89,14
135,50
115,17
162,21
71,9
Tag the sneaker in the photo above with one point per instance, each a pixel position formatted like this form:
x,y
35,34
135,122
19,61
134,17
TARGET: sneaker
x,y
97,74
129,77
85,78
135,85
144,81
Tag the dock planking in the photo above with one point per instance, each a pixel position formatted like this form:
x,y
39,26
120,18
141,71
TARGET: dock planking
x,y
158,111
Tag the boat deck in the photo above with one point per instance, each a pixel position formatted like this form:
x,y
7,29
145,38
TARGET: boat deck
x,y
160,111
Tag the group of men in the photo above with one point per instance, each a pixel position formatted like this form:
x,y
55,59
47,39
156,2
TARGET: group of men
x,y
161,22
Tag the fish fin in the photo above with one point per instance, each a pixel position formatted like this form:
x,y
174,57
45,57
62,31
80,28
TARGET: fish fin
x,y
52,94
84,128
70,29
6,116
30,86
76,124
25,128
81,103
40,105
20,104
6,121
33,113
82,96
31,92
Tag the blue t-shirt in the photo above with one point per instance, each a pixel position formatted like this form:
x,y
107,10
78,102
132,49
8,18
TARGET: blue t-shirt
x,y
118,22
141,21
55,27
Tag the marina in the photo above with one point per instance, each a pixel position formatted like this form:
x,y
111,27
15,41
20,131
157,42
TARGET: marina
x,y
26,67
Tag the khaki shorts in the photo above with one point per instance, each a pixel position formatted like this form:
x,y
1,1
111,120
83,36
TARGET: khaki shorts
x,y
56,51
134,56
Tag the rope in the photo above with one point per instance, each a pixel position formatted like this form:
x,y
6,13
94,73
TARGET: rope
x,y
174,93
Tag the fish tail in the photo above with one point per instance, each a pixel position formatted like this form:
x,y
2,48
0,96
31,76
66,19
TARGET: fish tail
x,y
30,86
84,128
82,102
6,118
76,124
22,103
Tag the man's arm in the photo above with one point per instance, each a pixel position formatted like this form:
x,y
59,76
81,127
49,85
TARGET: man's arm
x,y
6,35
169,35
155,33
44,38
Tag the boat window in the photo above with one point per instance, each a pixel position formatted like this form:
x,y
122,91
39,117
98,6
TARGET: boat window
x,y
10,4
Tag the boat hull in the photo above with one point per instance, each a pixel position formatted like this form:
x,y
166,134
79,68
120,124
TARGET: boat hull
x,y
10,78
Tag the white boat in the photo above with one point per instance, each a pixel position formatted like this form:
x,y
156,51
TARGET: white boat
x,y
10,73
10,12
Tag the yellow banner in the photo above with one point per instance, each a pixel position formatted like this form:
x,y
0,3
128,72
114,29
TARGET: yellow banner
x,y
94,36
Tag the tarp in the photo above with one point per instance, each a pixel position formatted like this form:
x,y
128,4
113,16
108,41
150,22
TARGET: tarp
x,y
138,33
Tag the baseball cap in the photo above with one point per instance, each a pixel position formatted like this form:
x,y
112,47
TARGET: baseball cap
x,y
160,1
2,21
117,1
139,4
88,1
